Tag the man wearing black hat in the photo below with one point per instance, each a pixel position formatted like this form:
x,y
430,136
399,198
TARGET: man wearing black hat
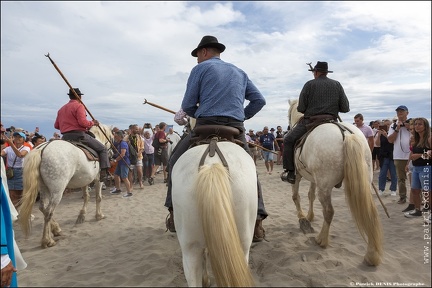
x,y
320,96
215,95
73,124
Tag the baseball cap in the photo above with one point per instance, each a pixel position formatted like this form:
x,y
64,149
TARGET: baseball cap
x,y
19,134
402,107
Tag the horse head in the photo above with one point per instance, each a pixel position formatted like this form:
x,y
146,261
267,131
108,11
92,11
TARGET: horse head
x,y
103,134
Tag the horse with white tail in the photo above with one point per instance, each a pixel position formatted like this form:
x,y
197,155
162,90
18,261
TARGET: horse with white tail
x,y
333,153
49,169
215,204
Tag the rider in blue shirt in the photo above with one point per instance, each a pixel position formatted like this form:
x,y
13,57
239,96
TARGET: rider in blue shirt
x,y
215,95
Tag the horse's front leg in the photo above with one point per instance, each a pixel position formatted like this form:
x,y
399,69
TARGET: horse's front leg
x,y
86,196
296,197
324,197
311,196
98,191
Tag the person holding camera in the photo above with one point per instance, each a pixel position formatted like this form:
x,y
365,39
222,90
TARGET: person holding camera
x,y
385,159
15,153
399,135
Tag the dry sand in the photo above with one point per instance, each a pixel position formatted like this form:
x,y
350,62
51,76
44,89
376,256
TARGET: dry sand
x,y
131,248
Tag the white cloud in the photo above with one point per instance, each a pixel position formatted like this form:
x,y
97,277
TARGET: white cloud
x,y
120,53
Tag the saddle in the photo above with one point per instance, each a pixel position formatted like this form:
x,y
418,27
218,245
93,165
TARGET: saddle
x,y
205,133
212,134
91,154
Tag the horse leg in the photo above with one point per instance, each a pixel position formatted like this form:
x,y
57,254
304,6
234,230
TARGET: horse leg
x,y
205,277
305,225
47,240
98,190
324,197
86,196
55,227
193,264
296,198
311,196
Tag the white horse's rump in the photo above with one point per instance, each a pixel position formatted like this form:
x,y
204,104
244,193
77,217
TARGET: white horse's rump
x,y
328,157
215,211
50,169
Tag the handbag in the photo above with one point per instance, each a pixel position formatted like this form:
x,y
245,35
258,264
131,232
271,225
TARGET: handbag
x,y
156,143
9,173
9,170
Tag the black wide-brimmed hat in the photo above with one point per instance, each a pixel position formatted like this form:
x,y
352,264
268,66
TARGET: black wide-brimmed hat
x,y
321,67
77,91
208,41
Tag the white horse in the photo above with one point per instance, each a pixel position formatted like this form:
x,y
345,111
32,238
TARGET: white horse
x,y
50,169
215,213
330,156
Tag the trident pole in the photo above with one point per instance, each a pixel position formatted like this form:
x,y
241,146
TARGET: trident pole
x,y
79,100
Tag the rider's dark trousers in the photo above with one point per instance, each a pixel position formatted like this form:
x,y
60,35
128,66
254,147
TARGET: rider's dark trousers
x,y
290,140
91,142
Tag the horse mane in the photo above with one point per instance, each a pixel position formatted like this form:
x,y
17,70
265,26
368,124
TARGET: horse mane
x,y
293,115
99,134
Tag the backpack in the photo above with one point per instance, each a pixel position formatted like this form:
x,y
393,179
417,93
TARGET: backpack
x,y
133,155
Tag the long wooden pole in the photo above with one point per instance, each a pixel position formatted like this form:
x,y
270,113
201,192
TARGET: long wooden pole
x,y
79,100
158,106
171,111
256,145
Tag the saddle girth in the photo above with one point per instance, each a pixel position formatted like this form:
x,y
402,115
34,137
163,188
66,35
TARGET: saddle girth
x,y
211,150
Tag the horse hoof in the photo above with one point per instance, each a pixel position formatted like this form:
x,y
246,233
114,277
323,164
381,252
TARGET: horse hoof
x,y
100,217
305,226
49,244
80,219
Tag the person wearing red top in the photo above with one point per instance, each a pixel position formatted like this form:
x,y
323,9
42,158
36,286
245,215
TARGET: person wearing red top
x,y
160,152
73,124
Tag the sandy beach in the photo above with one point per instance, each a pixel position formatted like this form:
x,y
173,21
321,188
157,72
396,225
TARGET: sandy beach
x,y
131,248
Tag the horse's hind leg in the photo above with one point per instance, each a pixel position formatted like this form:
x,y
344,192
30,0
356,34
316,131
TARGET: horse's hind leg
x,y
193,264
311,196
47,240
86,196
324,197
55,227
98,190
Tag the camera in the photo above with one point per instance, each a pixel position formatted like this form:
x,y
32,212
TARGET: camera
x,y
383,127
8,129
147,125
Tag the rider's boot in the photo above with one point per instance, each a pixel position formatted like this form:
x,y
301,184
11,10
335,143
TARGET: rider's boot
x,y
169,222
259,232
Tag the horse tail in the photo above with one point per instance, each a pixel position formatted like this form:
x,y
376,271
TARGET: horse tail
x,y
214,195
31,176
357,184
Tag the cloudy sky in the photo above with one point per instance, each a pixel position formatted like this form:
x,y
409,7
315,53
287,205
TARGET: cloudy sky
x,y
120,53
